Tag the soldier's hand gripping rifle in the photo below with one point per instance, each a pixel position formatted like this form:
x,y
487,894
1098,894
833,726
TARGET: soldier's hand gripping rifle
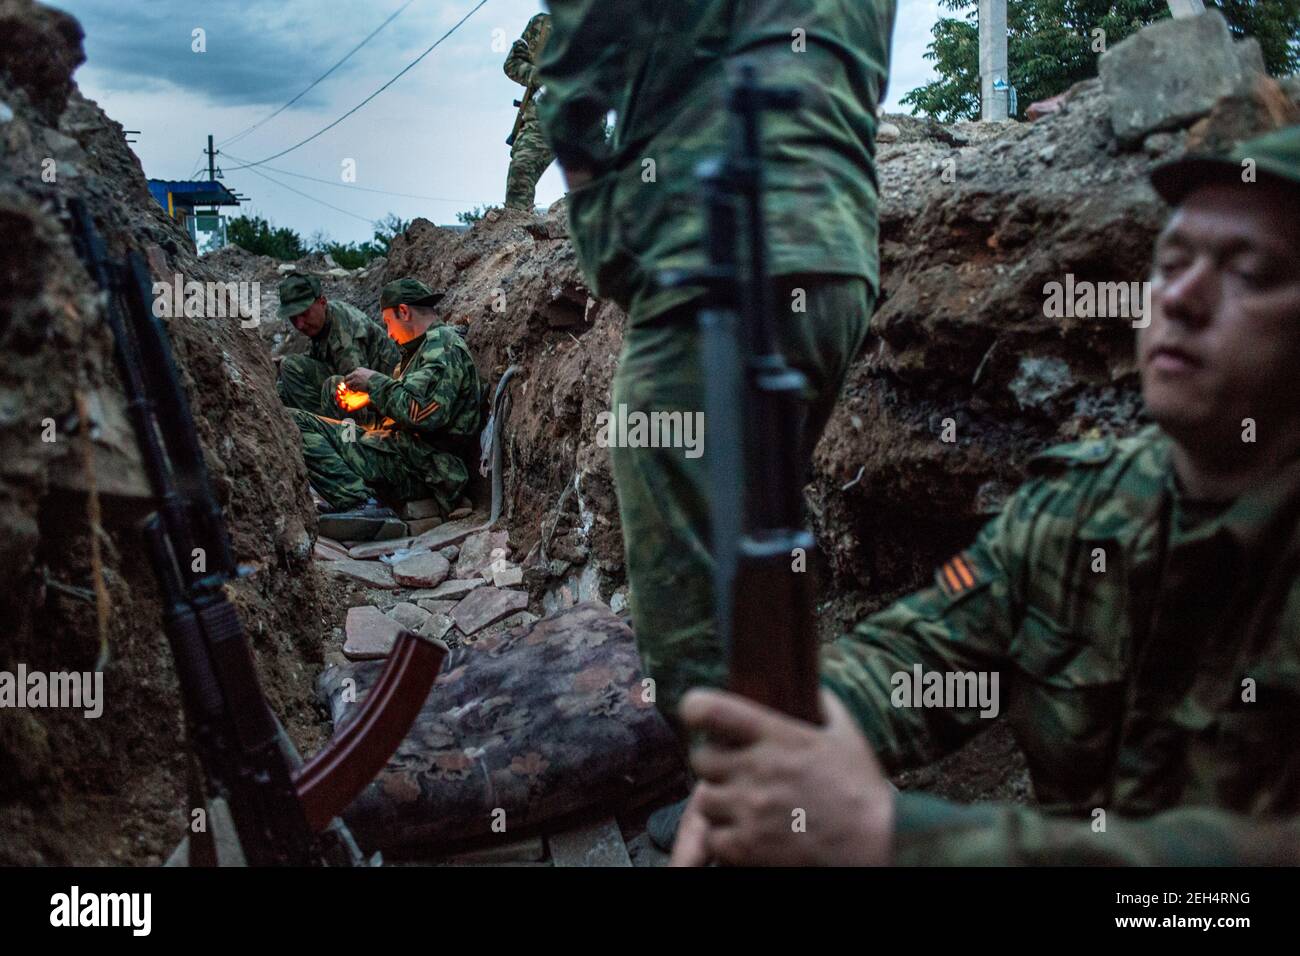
x,y
754,410
284,811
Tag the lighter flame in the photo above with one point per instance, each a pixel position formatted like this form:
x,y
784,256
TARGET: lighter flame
x,y
349,400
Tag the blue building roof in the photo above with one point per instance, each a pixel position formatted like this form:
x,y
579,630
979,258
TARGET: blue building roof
x,y
190,193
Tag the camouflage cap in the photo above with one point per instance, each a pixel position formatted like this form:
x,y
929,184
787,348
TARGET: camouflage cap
x,y
1275,157
297,293
408,291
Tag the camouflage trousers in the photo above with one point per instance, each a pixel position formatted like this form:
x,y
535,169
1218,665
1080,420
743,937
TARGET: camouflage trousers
x,y
347,464
529,158
301,384
663,494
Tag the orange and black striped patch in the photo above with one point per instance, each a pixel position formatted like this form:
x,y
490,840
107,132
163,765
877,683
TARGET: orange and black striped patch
x,y
418,414
958,575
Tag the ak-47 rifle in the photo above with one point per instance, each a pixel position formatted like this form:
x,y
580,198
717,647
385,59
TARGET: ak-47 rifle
x,y
754,409
284,811
519,117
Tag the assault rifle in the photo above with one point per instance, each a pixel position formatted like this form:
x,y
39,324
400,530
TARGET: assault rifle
x,y
519,117
284,811
754,408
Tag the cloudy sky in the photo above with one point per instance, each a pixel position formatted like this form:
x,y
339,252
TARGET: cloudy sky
x,y
437,133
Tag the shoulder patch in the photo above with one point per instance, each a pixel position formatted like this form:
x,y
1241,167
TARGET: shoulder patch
x,y
959,575
1083,454
418,413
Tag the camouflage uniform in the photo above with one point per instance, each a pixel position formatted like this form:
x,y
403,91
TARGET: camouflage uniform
x,y
348,341
635,218
1123,686
431,417
529,156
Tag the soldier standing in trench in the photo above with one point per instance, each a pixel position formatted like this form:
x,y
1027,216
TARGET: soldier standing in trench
x,y
634,210
529,154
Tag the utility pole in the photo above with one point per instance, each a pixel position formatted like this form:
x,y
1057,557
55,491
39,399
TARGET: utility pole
x,y
212,161
995,88
1186,8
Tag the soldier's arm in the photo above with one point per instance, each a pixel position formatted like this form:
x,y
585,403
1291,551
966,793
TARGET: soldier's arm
x,y
519,64
425,398
931,831
343,345
963,622
583,71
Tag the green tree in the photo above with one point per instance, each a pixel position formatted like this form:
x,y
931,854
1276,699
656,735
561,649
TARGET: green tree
x,y
388,229
354,255
258,236
470,216
1053,44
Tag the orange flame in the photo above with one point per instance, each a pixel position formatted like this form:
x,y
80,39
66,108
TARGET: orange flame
x,y
349,400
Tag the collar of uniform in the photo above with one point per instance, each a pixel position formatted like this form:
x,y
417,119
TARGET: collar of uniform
x,y
410,348
1261,516
1134,499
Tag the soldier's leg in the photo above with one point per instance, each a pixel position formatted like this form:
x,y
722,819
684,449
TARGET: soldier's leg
x,y
529,158
440,475
663,495
823,341
339,465
300,381
662,500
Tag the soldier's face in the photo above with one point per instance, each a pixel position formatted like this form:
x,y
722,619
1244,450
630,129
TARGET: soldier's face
x,y
398,321
310,323
1223,344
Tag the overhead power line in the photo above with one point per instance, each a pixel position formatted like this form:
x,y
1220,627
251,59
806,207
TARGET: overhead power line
x,y
353,188
365,219
404,71
318,79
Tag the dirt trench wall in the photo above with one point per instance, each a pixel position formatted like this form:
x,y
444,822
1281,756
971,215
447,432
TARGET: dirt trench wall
x,y
77,790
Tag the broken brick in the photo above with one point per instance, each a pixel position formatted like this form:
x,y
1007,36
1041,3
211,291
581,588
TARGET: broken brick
x,y
421,508
367,572
421,570
487,606
476,552
448,590
370,635
376,549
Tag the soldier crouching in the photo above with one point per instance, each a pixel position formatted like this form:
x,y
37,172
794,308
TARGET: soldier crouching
x,y
428,412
